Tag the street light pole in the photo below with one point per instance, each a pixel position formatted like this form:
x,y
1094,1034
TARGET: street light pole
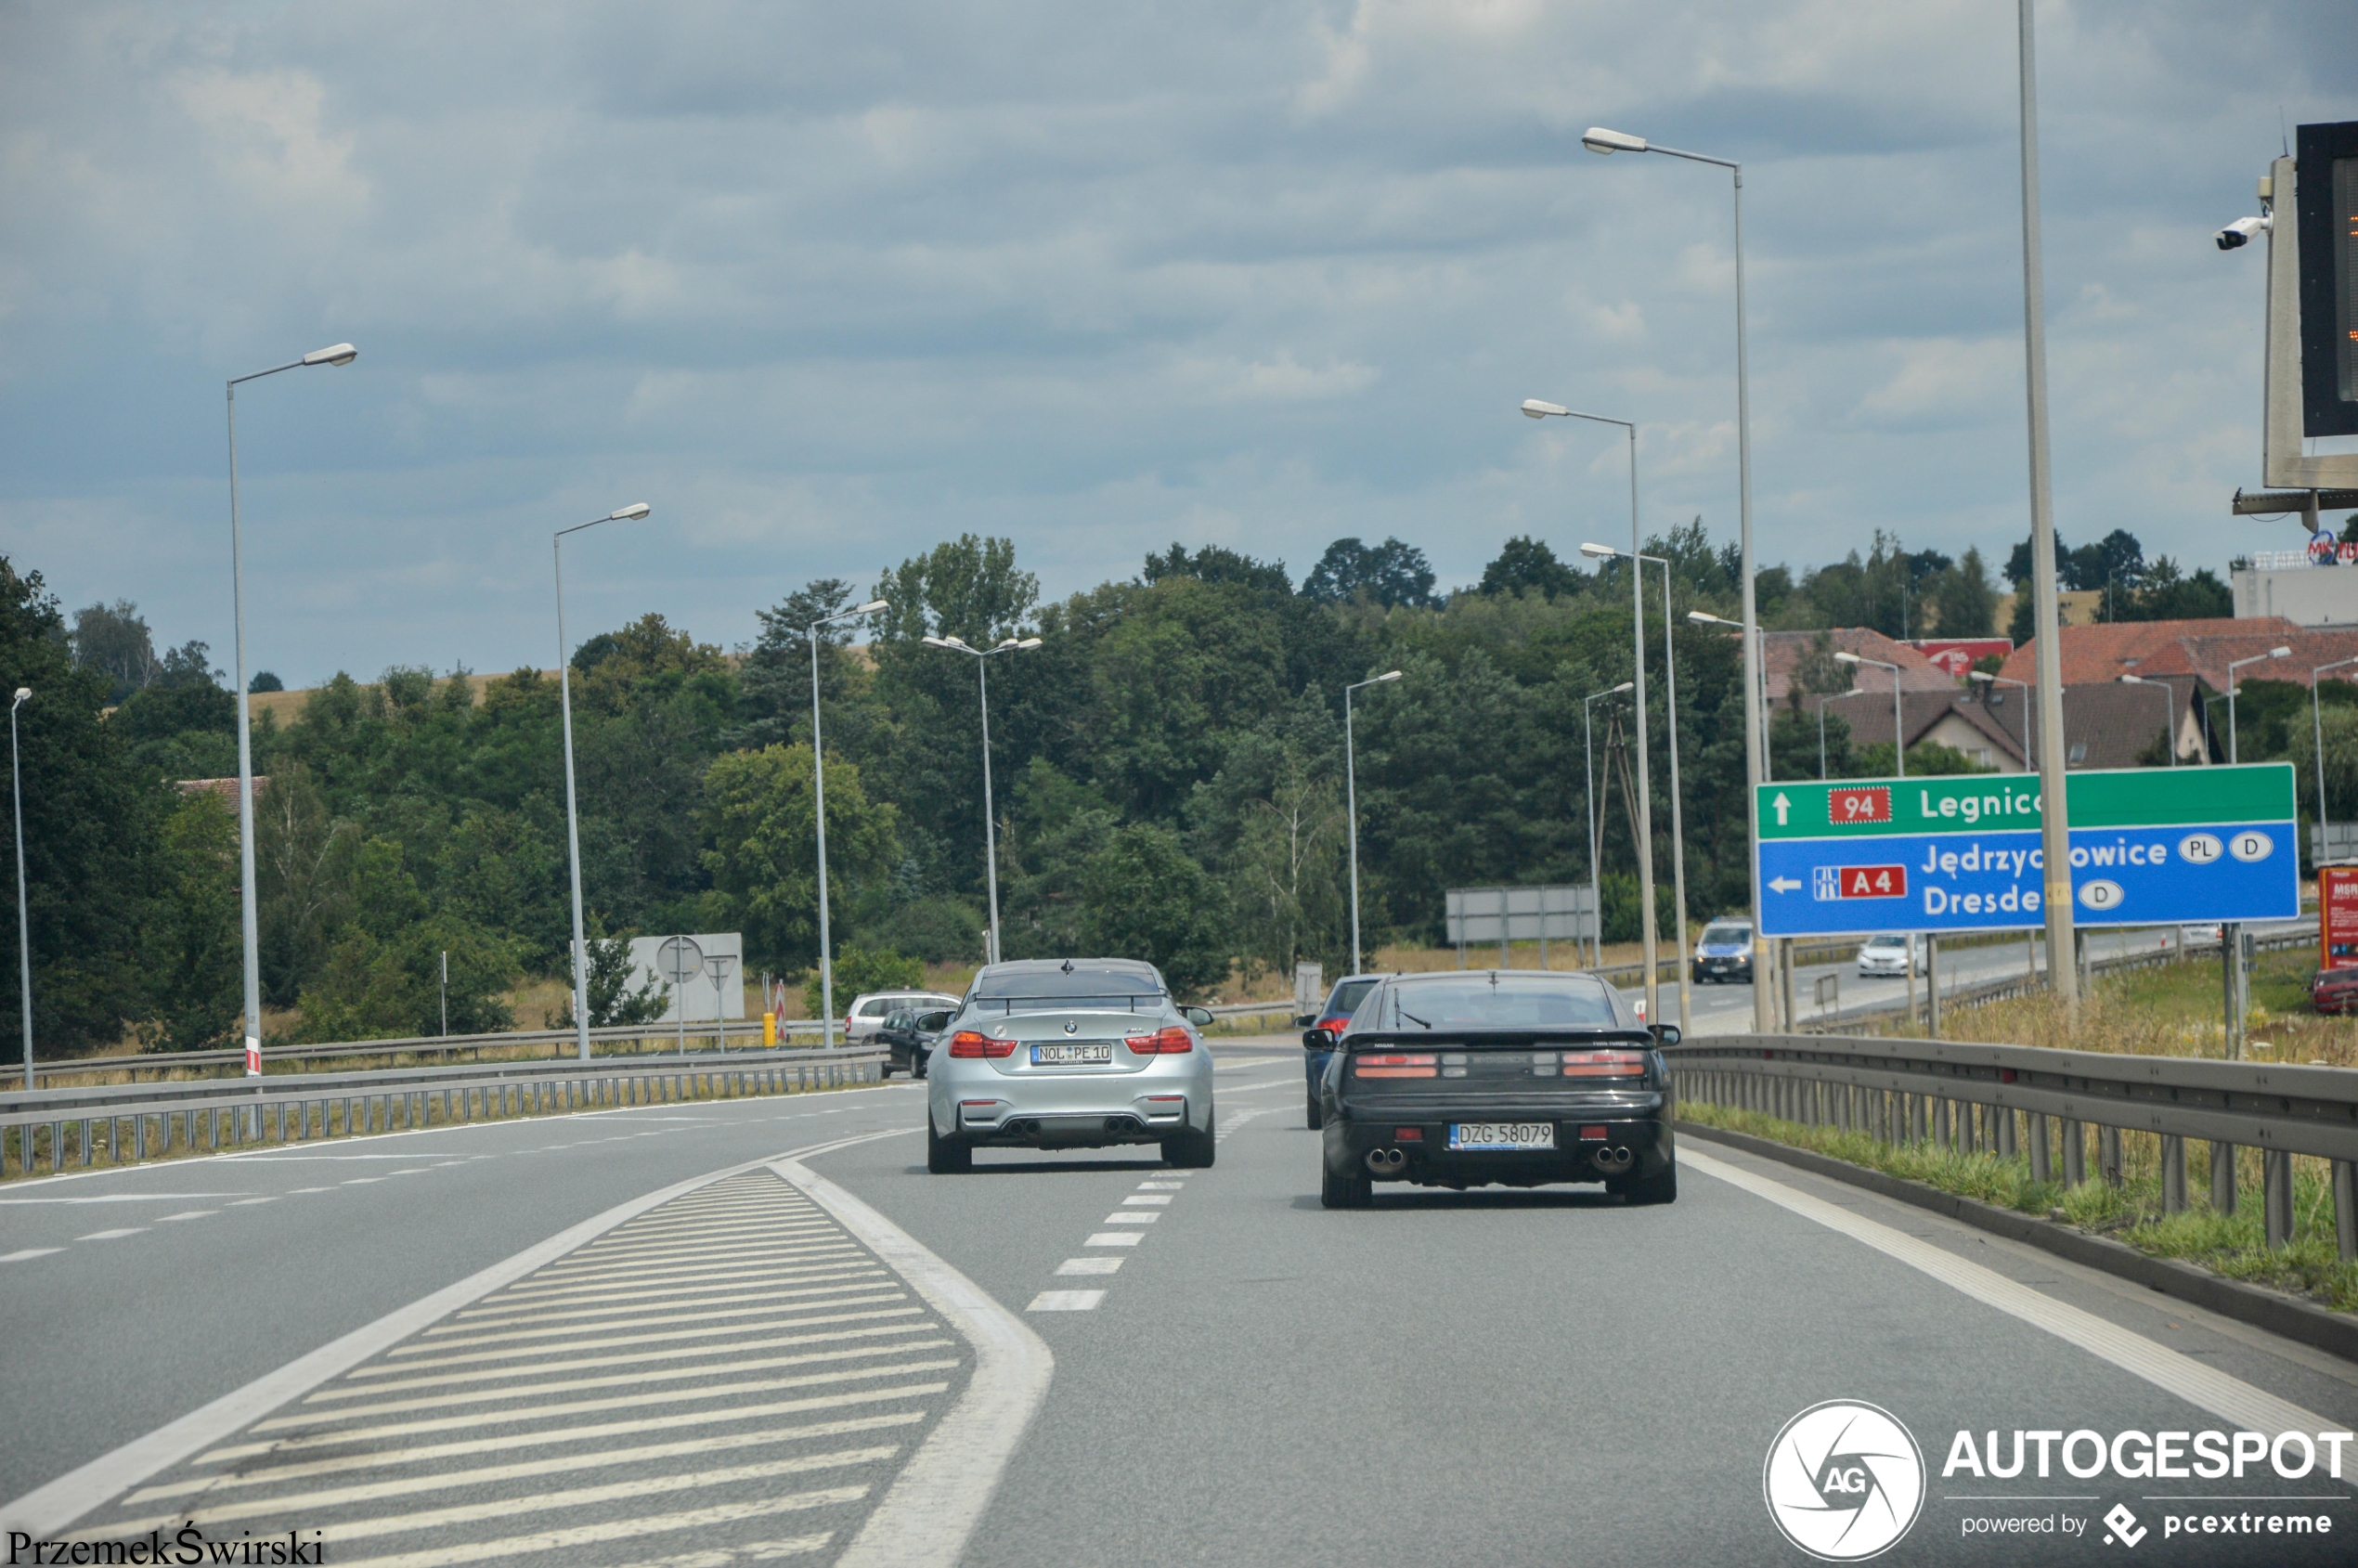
x,y
573,817
1823,699
1596,898
1598,140
2234,681
2316,726
990,825
1537,410
2169,711
1898,724
24,932
819,800
1351,793
1678,822
249,919
1987,678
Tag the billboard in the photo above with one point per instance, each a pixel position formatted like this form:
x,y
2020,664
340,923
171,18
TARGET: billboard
x,y
1957,655
2325,199
2337,917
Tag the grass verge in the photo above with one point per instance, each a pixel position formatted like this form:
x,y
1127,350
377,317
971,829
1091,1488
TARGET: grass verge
x,y
2232,1245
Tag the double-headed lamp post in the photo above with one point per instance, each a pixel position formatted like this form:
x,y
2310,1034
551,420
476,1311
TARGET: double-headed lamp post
x,y
1535,409
1350,795
982,657
1605,143
1986,679
630,513
2169,711
1596,903
1678,821
338,353
818,798
2233,682
1898,726
24,938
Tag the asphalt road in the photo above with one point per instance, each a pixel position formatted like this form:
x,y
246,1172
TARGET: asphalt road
x,y
764,1365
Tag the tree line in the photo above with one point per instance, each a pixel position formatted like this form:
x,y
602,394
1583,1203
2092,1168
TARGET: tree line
x,y
1168,767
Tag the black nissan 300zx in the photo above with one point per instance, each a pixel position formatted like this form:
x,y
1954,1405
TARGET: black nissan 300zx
x,y
1499,1078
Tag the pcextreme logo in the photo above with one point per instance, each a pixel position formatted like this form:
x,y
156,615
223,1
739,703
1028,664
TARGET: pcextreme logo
x,y
1844,1481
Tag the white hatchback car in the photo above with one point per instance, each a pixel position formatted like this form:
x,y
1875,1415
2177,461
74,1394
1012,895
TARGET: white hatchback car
x,y
867,1012
1887,954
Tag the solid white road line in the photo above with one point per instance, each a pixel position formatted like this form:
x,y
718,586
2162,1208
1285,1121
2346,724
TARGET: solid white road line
x,y
669,1336
2206,1388
562,1312
1066,1301
817,1297
926,1518
48,1509
570,1363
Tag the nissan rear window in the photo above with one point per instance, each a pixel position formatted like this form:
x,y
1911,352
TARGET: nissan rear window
x,y
1501,1001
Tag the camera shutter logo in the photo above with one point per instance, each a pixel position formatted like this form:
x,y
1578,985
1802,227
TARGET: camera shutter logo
x,y
1844,1481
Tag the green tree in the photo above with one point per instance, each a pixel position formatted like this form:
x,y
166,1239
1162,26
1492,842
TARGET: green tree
x,y
1392,573
1964,601
1144,897
859,970
385,987
612,1001
1528,566
191,948
968,588
759,819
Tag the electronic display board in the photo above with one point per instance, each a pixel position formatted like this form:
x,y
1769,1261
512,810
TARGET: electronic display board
x,y
2326,186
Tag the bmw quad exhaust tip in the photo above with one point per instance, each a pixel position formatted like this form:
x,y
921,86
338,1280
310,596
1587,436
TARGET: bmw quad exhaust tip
x,y
1380,1160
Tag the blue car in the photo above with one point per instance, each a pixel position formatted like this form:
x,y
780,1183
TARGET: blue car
x,y
1319,1029
1725,953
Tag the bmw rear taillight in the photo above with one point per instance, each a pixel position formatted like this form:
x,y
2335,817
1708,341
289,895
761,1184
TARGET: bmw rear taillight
x,y
1394,1065
970,1043
1604,1064
1166,1042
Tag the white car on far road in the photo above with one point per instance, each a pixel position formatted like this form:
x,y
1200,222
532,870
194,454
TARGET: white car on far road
x,y
1887,954
866,1014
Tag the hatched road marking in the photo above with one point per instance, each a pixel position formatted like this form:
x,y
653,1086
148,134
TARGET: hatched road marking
x,y
570,1433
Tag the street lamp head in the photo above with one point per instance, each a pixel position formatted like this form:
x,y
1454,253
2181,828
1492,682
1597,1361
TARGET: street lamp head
x,y
1705,617
630,513
342,353
1028,642
23,692
1598,551
1985,675
931,641
1604,143
1624,686
1389,675
2280,653
1535,409
871,607
2127,680
1845,656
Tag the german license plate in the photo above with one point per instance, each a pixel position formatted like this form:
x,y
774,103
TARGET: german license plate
x,y
1502,1135
1080,1051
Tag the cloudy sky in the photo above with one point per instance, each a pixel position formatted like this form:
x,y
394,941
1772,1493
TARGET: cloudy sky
x,y
827,283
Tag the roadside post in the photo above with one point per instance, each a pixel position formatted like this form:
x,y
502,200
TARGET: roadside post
x,y
679,960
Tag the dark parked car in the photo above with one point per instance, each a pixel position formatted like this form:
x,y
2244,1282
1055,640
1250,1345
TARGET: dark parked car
x,y
1320,1028
1497,1078
2335,990
908,1033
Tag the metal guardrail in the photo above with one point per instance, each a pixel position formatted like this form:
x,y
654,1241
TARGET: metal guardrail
x,y
2004,1098
211,1114
640,1038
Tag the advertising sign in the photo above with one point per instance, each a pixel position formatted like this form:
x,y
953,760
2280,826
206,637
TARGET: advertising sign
x,y
2337,917
1957,655
2149,847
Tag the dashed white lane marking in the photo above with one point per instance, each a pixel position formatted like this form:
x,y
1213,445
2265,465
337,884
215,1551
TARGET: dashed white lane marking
x,y
111,1235
1115,1238
1130,1217
1151,1200
24,1252
1066,1301
187,1214
245,1202
1089,1266
2206,1388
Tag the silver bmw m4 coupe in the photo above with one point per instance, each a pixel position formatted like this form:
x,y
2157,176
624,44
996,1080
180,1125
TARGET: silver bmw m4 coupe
x,y
1072,1053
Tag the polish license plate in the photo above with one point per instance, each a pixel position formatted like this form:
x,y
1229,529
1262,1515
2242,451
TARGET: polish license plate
x,y
1502,1135
1080,1051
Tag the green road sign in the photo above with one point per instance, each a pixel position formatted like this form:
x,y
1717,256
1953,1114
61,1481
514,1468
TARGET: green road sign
x,y
1962,853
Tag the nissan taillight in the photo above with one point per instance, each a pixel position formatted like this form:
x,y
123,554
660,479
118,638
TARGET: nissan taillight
x,y
969,1043
1166,1042
1604,1064
1394,1065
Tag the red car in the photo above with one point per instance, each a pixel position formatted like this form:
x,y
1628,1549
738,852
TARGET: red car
x,y
2335,990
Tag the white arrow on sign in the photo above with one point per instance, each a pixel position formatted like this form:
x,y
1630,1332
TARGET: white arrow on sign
x,y
1784,885
1783,806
